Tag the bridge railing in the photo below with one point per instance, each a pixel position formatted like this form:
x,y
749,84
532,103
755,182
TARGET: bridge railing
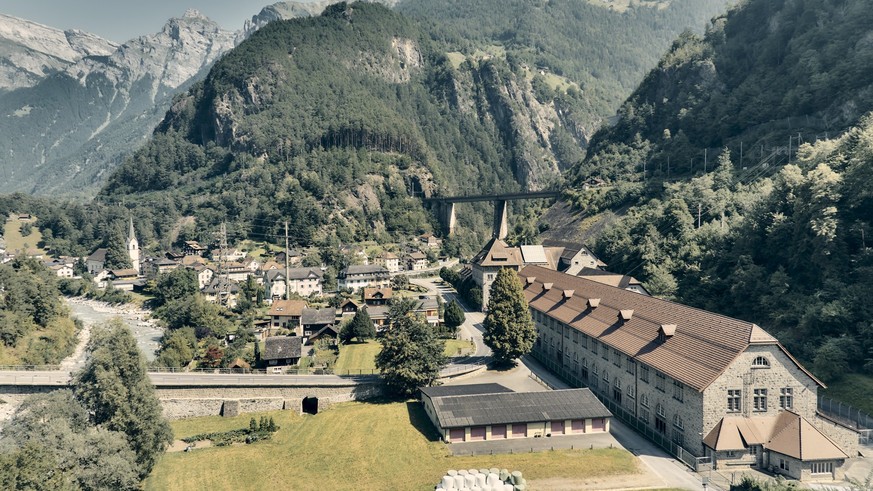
x,y
30,368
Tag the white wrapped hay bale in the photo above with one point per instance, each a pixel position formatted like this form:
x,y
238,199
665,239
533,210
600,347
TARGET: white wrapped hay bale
x,y
515,477
448,482
492,479
459,482
470,480
504,475
462,472
480,479
473,471
452,473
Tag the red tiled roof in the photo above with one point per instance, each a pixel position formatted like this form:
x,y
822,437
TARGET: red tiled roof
x,y
704,344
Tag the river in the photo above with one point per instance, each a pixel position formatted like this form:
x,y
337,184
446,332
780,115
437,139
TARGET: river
x,y
146,331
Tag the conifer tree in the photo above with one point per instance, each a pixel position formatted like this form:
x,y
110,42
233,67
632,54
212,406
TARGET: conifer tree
x,y
509,329
454,316
115,388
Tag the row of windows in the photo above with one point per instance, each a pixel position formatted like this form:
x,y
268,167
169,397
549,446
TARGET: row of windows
x,y
759,399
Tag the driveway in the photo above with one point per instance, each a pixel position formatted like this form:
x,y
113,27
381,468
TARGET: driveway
x,y
473,326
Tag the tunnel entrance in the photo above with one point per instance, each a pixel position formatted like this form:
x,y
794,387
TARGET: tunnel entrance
x,y
310,405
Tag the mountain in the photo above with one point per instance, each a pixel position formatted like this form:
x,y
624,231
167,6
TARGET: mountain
x,y
739,172
30,52
76,123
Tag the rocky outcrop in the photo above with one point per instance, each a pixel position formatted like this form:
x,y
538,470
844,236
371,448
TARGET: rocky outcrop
x,y
30,52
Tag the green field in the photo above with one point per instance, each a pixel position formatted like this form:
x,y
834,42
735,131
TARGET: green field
x,y
354,357
358,357
355,446
853,389
16,243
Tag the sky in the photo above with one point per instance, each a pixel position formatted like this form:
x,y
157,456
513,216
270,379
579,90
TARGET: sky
x,y
121,20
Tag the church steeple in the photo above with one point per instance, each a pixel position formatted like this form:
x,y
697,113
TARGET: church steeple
x,y
133,247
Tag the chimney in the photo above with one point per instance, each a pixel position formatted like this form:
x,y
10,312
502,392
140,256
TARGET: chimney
x,y
547,286
530,280
625,315
593,303
568,294
667,331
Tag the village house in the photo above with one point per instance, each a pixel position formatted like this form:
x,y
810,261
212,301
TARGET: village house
x,y
302,281
574,257
96,261
716,387
155,266
349,307
314,320
480,412
362,276
221,291
377,296
274,284
204,274
62,269
286,314
431,241
238,272
426,306
294,257
282,350
614,279
193,248
230,255
389,261
416,261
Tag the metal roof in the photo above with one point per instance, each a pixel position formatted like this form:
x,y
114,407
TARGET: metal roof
x,y
463,390
517,407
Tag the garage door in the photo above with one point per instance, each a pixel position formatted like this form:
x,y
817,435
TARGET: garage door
x,y
557,427
498,432
456,435
477,433
598,424
578,426
519,431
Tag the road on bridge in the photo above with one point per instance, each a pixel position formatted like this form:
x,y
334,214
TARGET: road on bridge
x,y
195,379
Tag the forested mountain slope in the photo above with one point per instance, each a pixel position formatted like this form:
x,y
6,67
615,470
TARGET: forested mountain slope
x,y
783,245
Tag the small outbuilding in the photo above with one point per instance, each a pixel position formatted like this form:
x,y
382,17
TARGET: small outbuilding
x,y
478,412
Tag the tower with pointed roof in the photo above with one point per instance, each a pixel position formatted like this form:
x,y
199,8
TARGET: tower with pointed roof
x,y
133,247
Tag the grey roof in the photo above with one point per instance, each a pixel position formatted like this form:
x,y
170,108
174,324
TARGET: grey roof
x,y
99,255
311,317
303,273
363,269
282,347
517,407
463,390
218,284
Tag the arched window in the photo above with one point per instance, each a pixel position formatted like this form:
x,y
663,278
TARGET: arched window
x,y
660,410
760,362
677,422
617,384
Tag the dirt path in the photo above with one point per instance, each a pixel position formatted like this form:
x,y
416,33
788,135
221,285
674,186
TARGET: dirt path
x,y
77,359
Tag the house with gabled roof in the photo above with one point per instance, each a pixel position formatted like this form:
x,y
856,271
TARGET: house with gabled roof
x,y
282,350
286,314
694,379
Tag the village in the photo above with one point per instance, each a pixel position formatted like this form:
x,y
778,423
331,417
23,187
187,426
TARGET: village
x,y
716,393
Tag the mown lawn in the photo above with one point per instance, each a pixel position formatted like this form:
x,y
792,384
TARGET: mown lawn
x,y
854,389
355,446
361,356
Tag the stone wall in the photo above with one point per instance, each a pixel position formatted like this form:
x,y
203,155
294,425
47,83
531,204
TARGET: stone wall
x,y
845,438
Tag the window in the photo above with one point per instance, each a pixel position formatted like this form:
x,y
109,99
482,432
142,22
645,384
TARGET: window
x,y
631,392
576,337
786,398
760,362
617,383
733,401
677,422
644,373
678,437
661,411
616,394
678,391
644,400
644,416
760,400
660,381
584,340
783,464
822,467
605,352
594,346
566,332
630,365
616,358
731,454
606,377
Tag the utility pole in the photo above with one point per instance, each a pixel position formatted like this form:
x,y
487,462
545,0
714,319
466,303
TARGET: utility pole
x,y
287,270
224,282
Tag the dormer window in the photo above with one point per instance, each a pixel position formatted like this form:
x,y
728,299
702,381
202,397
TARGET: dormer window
x,y
531,279
568,294
547,286
666,331
625,315
760,362
593,303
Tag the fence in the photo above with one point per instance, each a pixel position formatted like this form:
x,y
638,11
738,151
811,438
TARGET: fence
x,y
692,461
846,414
454,369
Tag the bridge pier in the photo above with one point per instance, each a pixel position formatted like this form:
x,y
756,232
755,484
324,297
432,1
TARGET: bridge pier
x,y
501,223
449,218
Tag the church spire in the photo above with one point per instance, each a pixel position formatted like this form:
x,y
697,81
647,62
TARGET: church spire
x,y
131,235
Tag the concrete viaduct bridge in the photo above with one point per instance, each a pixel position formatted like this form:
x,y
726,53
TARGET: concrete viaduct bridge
x,y
445,207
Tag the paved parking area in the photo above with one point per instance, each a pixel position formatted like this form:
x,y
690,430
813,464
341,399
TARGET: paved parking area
x,y
524,445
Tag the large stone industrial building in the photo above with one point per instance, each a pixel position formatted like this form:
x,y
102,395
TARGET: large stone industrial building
x,y
717,387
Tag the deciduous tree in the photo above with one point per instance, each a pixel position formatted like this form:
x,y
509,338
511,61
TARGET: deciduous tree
x,y
411,355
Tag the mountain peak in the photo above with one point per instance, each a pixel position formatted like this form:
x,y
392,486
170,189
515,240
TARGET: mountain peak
x,y
193,14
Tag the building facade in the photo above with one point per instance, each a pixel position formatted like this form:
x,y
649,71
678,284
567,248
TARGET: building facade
x,y
364,276
677,371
